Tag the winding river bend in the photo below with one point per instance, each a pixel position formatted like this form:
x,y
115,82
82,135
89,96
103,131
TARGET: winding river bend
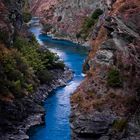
x,y
57,105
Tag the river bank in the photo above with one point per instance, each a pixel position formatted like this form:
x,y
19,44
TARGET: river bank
x,y
35,108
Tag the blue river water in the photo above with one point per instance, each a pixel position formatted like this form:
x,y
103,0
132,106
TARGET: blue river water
x,y
57,105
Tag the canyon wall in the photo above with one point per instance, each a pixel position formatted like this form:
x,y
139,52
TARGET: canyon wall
x,y
106,105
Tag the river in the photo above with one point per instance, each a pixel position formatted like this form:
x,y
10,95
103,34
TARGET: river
x,y
57,105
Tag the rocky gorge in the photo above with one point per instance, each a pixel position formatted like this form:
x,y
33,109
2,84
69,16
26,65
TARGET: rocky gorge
x,y
106,105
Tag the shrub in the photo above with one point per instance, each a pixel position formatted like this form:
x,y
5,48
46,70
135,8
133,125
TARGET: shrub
x,y
4,91
114,79
3,37
89,22
119,125
96,14
45,76
59,65
30,52
48,58
78,35
26,17
13,77
16,88
47,27
30,88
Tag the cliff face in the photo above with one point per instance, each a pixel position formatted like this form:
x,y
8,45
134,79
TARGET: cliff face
x,y
10,18
106,104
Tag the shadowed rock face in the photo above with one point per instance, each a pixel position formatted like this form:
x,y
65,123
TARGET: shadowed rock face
x,y
114,55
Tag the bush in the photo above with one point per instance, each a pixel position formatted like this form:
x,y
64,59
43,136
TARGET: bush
x,y
3,37
119,125
47,27
4,91
48,58
26,17
45,76
114,79
89,22
78,35
97,13
13,77
24,65
30,52
59,65
30,88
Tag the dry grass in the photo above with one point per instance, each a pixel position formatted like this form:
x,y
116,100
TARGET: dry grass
x,y
89,101
102,35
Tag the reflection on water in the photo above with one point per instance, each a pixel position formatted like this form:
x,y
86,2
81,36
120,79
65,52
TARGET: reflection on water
x,y
57,105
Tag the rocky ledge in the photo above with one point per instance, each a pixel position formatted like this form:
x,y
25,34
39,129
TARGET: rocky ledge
x,y
27,112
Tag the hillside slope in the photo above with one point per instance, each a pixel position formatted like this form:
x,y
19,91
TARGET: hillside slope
x,y
106,105
67,17
27,72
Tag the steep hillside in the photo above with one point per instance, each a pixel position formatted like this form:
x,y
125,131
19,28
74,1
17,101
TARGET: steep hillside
x,y
106,106
69,19
24,66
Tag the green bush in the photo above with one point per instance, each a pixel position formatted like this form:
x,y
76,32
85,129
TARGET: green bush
x,y
30,52
78,35
4,90
89,22
59,65
24,65
48,58
114,79
96,14
3,37
47,27
30,88
45,76
26,17
13,77
119,125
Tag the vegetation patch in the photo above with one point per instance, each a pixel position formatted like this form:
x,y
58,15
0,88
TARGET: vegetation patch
x,y
120,124
89,22
47,27
25,66
114,79
3,37
26,17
